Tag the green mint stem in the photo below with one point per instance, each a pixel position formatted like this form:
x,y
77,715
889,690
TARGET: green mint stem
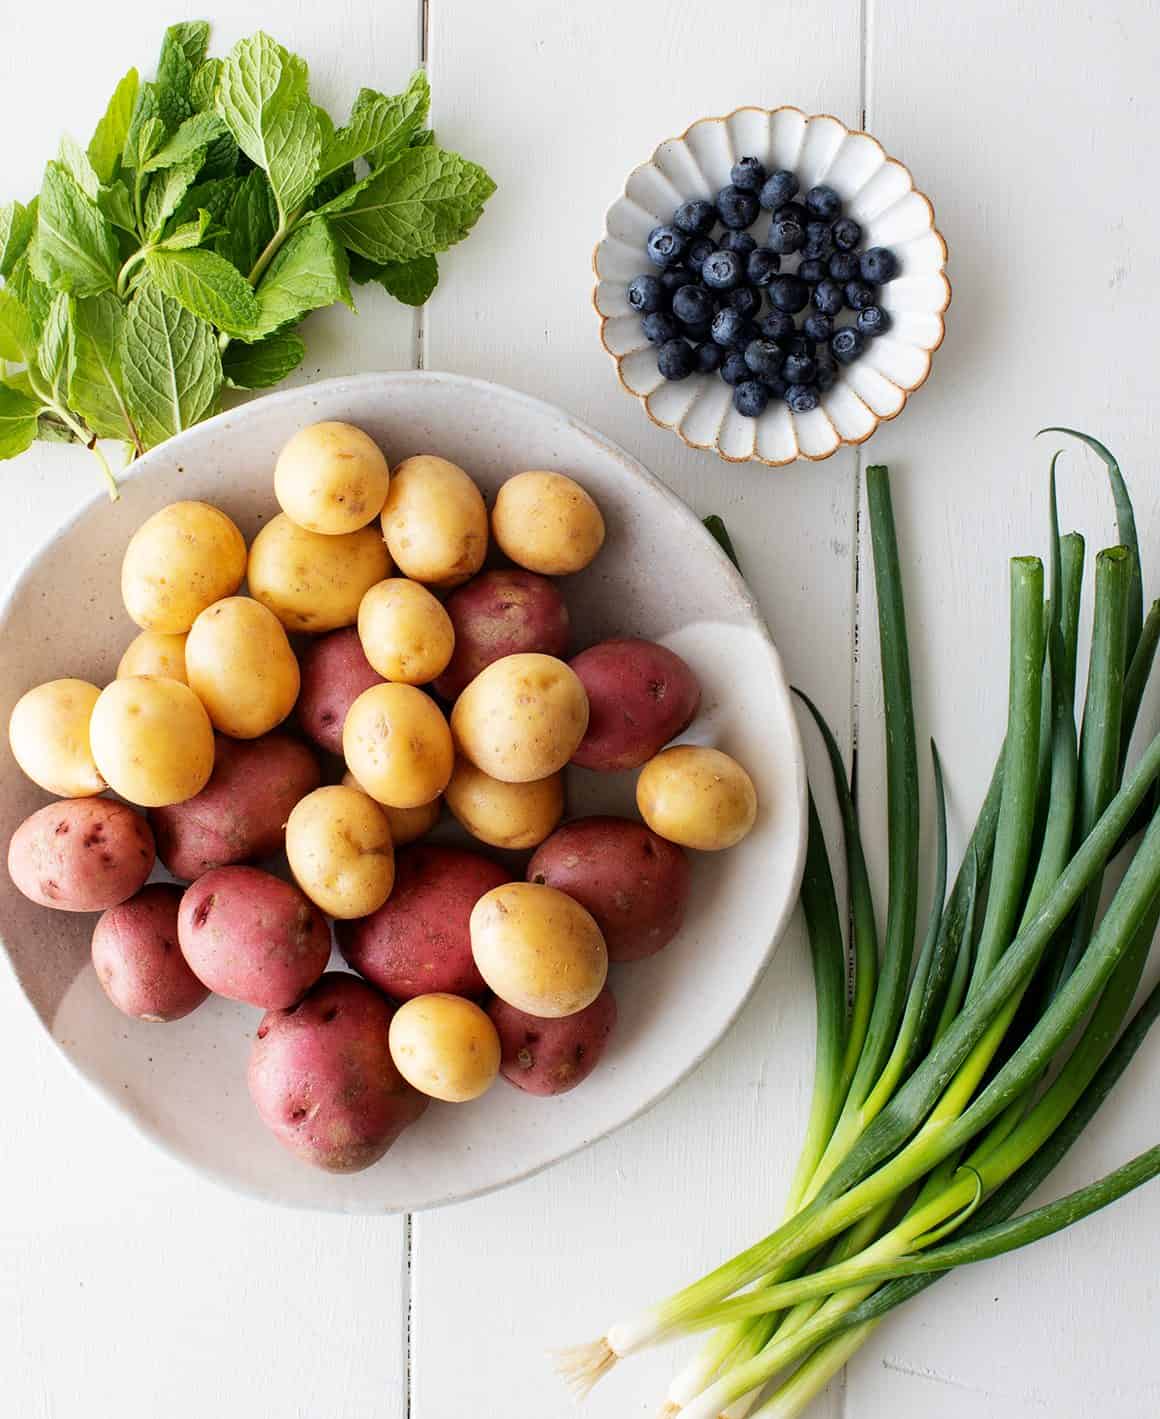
x,y
133,261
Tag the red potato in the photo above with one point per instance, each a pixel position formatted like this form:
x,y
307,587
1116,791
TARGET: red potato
x,y
501,613
250,936
335,672
634,883
418,942
82,855
138,961
240,815
552,1056
322,1077
640,695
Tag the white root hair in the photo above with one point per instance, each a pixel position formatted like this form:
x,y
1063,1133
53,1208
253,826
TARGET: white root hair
x,y
582,1365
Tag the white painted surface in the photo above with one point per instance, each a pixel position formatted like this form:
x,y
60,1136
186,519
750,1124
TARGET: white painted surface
x,y
127,1288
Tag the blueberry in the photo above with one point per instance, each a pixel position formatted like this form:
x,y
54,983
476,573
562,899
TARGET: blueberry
x,y
666,246
829,297
707,357
792,211
879,265
801,398
745,299
788,293
646,294
748,174
750,398
824,202
826,378
847,233
693,304
847,344
762,266
859,295
733,367
824,358
731,328
800,345
873,320
843,266
764,358
695,218
721,270
786,235
740,242
660,326
776,386
812,271
706,246
675,359
696,330
776,325
674,277
817,326
778,189
799,369
819,242
736,208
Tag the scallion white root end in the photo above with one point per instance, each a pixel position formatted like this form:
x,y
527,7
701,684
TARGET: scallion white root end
x,y
582,1365
668,1410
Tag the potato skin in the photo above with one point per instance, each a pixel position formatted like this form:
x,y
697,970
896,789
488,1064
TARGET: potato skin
x,y
405,632
82,855
640,695
547,523
155,653
446,1047
507,815
634,883
407,825
310,581
138,961
700,798
152,740
338,843
250,936
331,478
49,735
335,672
240,815
522,718
178,562
501,613
398,746
241,667
322,1078
552,1056
419,940
435,521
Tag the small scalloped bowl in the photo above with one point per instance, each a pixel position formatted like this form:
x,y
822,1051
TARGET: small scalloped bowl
x,y
877,190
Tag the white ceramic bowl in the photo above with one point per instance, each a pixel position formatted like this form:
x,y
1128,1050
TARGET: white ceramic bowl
x,y
184,1084
875,189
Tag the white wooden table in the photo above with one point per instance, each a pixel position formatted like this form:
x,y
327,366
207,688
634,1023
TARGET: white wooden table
x,y
129,1289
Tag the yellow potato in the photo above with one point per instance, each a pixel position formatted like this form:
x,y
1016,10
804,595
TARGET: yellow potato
x,y
700,798
49,735
547,523
511,815
178,562
310,581
435,521
405,632
521,718
331,478
155,653
407,825
338,844
538,949
241,667
445,1046
397,745
152,740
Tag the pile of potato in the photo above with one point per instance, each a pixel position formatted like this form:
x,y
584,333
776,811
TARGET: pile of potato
x,y
435,683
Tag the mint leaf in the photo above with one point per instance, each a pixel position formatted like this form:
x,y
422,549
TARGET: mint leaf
x,y
31,292
310,271
379,127
94,389
182,54
422,204
54,352
17,337
18,416
249,222
170,365
51,430
213,197
146,129
409,281
108,142
73,158
261,365
207,285
333,185
115,202
423,139
76,249
194,135
345,199
204,85
188,234
166,192
17,223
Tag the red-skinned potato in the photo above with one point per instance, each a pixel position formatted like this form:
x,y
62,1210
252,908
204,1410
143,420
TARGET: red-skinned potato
x,y
240,815
138,961
501,613
250,936
633,882
418,942
640,695
335,672
322,1078
82,855
552,1056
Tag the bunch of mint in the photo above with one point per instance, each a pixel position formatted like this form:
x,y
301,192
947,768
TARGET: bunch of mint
x,y
212,210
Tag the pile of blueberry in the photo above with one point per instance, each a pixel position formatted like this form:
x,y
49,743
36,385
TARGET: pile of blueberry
x,y
703,309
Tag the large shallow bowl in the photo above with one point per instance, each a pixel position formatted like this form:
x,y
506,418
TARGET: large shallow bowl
x,y
876,189
184,1084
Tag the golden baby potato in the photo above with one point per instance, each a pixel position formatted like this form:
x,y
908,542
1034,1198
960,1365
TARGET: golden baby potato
x,y
435,521
521,718
397,745
241,667
338,844
547,523
538,949
155,653
407,825
331,478
152,740
445,1047
313,582
178,562
700,798
405,632
507,815
49,735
